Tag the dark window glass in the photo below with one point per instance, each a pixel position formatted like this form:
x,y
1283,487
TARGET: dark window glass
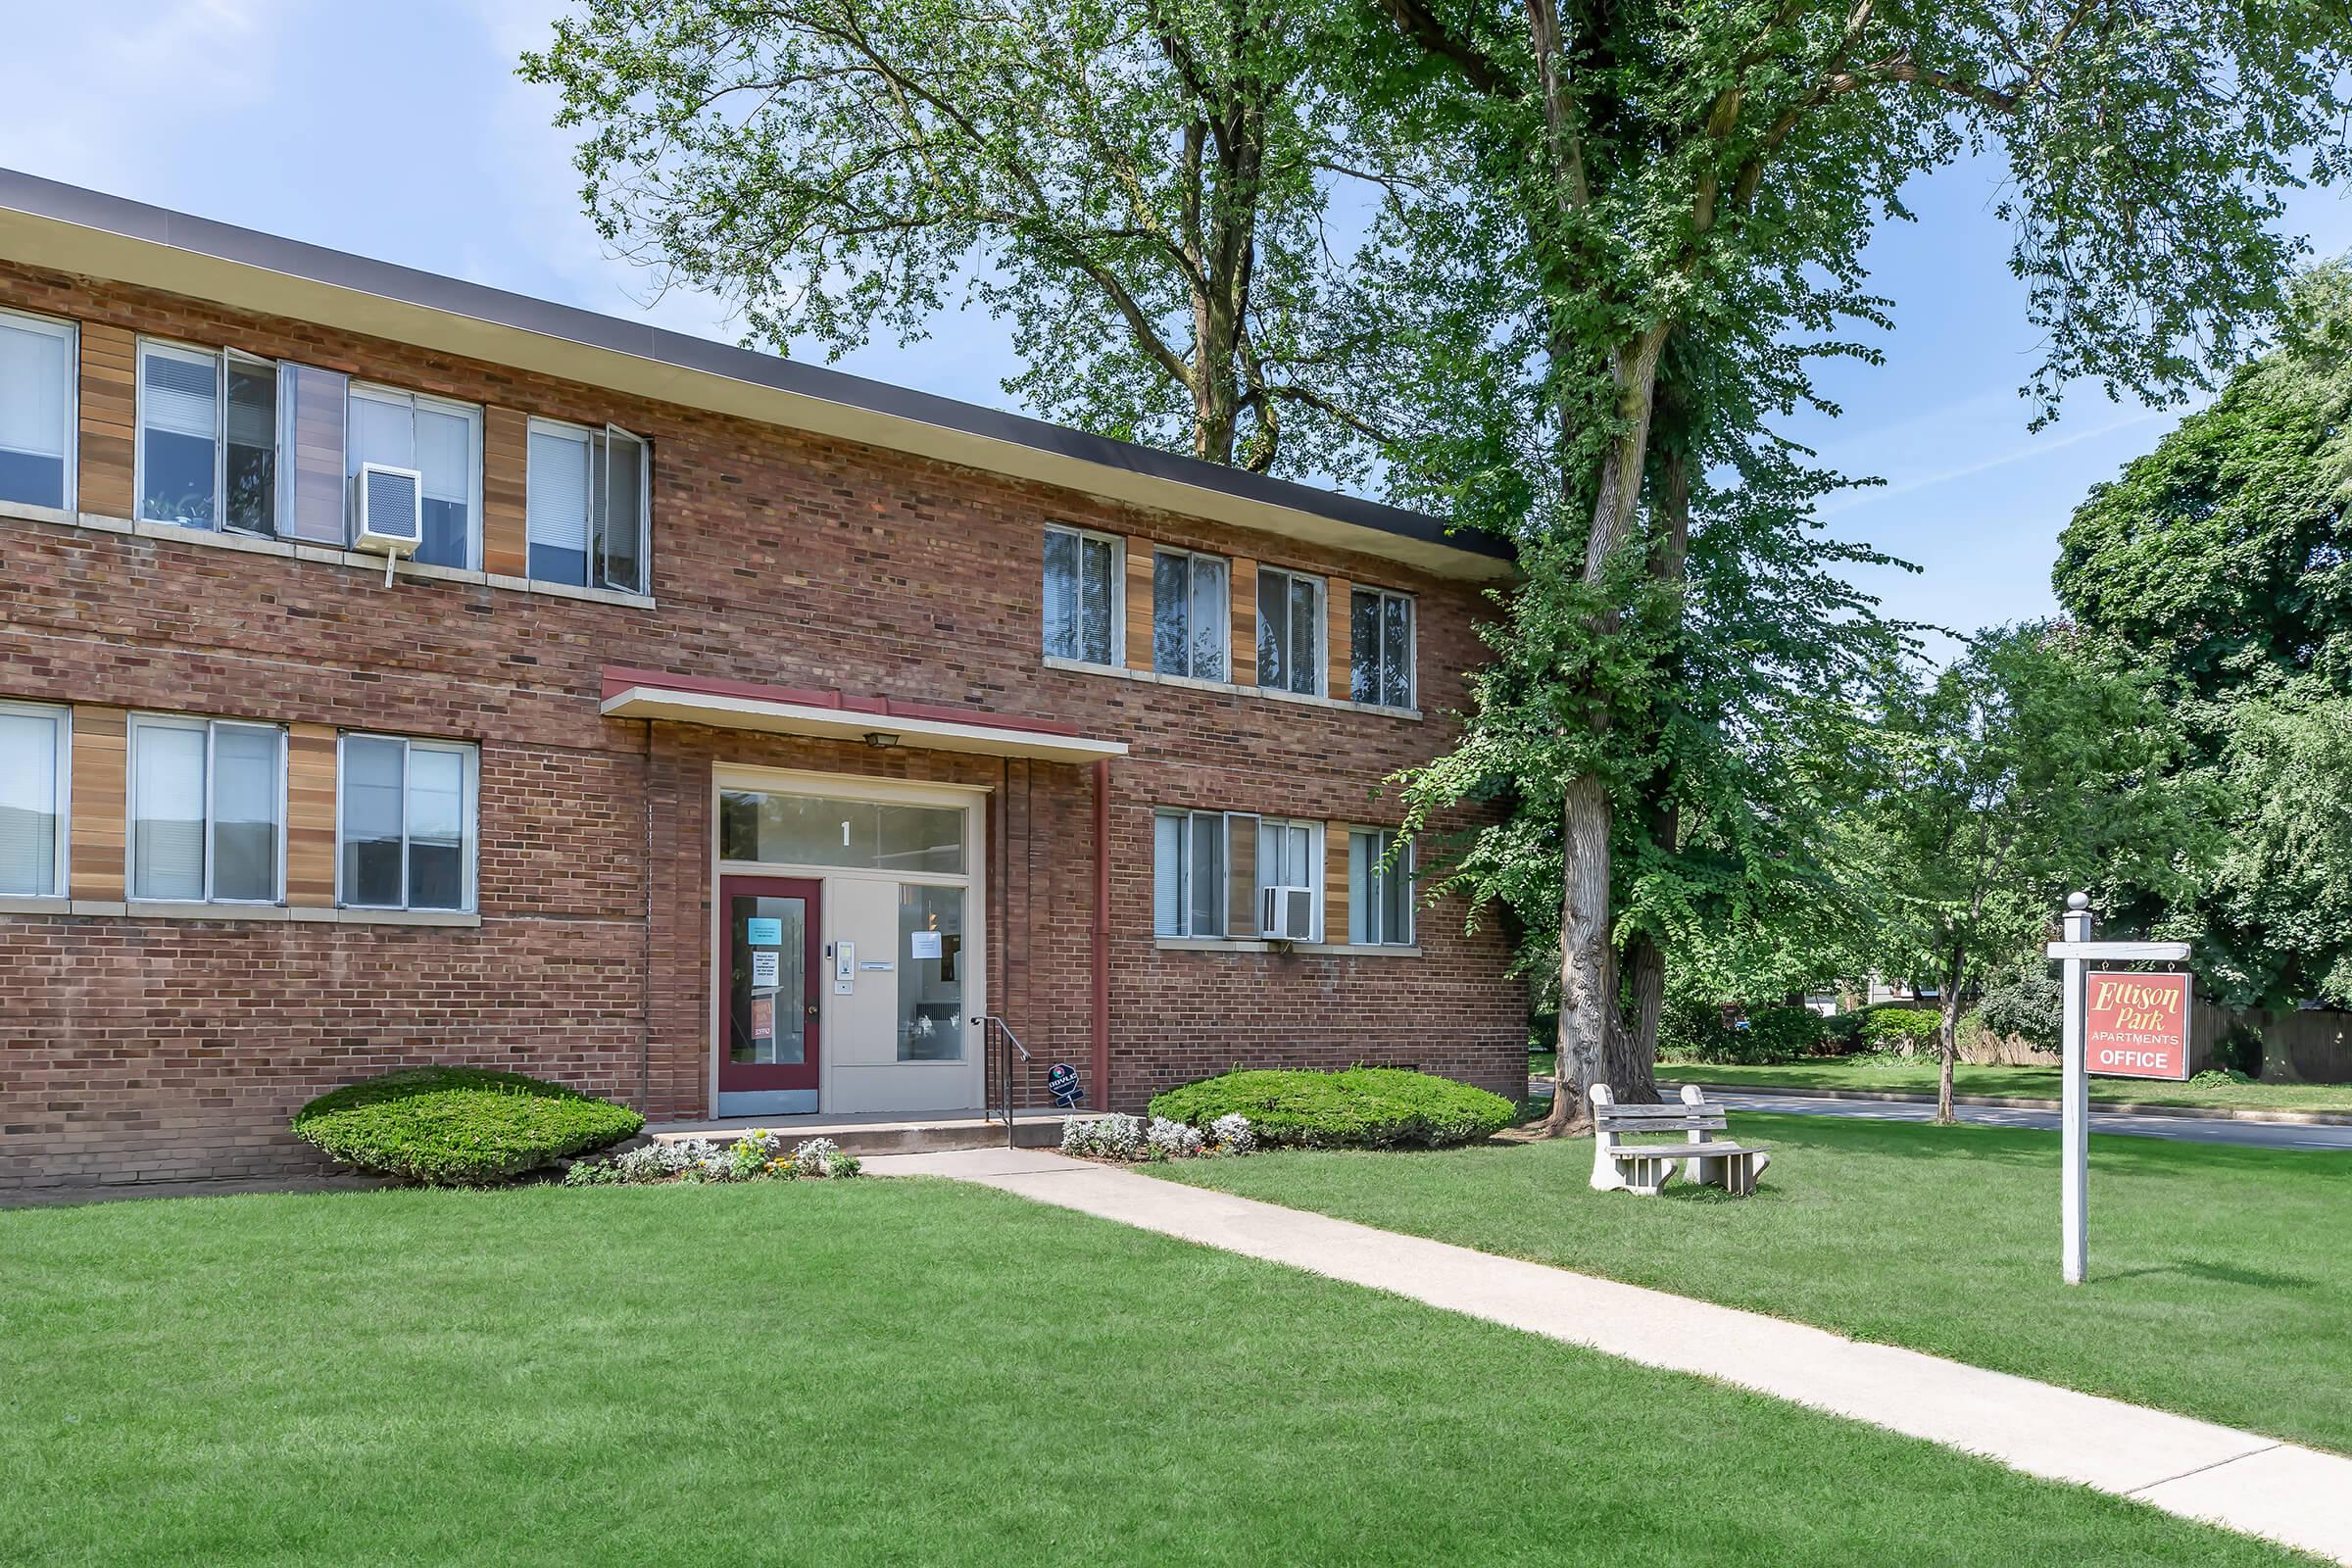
x,y
1363,648
35,480
1171,614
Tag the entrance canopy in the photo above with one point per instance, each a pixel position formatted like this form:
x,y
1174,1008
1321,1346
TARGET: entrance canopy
x,y
837,715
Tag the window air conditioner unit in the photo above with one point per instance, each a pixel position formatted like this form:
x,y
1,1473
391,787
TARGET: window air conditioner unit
x,y
389,503
1287,914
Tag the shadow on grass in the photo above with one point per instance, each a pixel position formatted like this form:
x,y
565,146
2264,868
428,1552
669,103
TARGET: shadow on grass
x,y
2217,1274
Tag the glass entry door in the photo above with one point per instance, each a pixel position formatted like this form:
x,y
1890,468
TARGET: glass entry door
x,y
768,967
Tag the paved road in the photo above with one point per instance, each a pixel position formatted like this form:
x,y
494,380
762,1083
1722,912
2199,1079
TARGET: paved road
x,y
2190,1129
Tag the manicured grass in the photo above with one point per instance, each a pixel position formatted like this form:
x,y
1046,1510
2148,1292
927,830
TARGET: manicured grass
x,y
884,1372
1917,1075
2220,1277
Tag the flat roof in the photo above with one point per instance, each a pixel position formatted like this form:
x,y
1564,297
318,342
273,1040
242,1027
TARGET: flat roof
x,y
69,229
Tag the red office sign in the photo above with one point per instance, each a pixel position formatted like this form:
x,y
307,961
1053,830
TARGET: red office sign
x,y
2136,1025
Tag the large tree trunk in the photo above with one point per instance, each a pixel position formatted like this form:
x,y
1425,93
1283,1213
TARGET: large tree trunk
x,y
1633,1064
1948,1039
1587,977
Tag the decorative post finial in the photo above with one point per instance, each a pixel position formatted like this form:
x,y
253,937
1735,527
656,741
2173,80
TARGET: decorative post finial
x,y
2077,900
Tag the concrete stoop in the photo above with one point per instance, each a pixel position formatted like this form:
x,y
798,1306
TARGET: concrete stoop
x,y
912,1133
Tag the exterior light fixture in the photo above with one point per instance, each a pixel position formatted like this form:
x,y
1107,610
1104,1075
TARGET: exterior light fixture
x,y
880,740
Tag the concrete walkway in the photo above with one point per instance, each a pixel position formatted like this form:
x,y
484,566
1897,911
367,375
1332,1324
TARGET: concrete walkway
x,y
2235,1479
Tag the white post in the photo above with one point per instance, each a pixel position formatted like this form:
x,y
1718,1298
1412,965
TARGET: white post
x,y
2074,1116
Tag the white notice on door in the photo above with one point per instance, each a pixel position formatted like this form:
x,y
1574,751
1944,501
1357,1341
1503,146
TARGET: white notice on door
x,y
926,944
767,968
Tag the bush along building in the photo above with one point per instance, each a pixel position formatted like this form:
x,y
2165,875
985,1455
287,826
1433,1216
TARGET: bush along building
x,y
395,670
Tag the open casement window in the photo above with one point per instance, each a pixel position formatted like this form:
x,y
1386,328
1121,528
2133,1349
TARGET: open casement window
x,y
1190,890
1380,889
442,441
37,357
34,739
207,810
405,824
588,504
1086,585
1191,623
1290,880
208,438
1289,631
1380,656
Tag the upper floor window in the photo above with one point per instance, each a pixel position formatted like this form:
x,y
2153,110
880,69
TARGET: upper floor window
x,y
208,438
1085,581
1380,656
587,505
36,411
442,441
406,823
1380,889
33,742
1190,620
207,817
1187,873
1290,880
1289,631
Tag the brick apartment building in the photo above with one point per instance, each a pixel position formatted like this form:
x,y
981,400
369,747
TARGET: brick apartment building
x,y
738,736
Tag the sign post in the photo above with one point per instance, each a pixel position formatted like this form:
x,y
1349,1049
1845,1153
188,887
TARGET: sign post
x,y
2134,1022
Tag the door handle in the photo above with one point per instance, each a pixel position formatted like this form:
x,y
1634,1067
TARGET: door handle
x,y
812,1010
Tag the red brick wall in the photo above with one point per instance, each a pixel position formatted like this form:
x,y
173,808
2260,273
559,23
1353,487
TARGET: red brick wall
x,y
148,1049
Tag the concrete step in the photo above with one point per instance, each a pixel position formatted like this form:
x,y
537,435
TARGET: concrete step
x,y
895,1133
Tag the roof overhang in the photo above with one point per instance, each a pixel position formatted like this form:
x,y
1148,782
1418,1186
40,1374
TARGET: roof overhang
x,y
68,229
832,715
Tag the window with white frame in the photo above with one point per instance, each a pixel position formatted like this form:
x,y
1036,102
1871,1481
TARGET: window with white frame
x,y
404,823
1380,656
34,739
1289,631
442,441
206,809
1380,889
588,504
1290,880
208,438
1187,873
1191,618
1085,593
36,409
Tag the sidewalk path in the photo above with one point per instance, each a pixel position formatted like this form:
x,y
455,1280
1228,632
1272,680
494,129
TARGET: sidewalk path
x,y
2243,1482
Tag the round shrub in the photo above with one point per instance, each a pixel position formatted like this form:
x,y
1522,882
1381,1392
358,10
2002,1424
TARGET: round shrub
x,y
1359,1108
460,1126
1781,1034
1899,1028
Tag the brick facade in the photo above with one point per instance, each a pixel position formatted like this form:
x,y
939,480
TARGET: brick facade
x,y
156,1049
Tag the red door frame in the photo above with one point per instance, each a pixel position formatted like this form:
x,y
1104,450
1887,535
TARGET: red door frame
x,y
740,1077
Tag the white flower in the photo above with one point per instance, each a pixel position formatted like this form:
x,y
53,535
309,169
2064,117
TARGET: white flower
x,y
1232,1134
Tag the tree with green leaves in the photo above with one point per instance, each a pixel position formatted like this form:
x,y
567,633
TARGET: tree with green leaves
x,y
1648,173
2024,770
1146,188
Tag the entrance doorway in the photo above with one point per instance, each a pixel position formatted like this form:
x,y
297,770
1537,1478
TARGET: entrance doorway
x,y
769,1066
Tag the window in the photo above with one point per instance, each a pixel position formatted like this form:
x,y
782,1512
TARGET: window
x,y
1290,881
36,411
775,828
1289,631
588,505
1190,618
1188,874
206,811
208,438
443,442
1380,893
1380,661
931,966
34,743
1085,580
404,823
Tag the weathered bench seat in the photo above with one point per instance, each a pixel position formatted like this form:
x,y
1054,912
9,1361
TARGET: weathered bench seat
x,y
1620,1164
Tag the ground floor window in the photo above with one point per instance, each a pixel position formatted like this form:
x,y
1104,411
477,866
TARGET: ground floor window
x,y
930,963
1187,873
206,809
1290,881
34,743
406,823
1380,889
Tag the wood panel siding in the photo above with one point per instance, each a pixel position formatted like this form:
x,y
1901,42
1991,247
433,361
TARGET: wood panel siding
x,y
101,753
506,487
109,435
1245,621
1338,646
1138,603
1335,881
310,815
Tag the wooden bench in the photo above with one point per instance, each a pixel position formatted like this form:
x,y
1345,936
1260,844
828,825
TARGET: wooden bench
x,y
1647,1167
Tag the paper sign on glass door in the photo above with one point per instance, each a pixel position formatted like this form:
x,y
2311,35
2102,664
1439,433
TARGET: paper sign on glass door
x,y
926,944
765,932
767,968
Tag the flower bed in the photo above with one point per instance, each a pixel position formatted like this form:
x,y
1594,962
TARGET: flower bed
x,y
759,1155
1130,1138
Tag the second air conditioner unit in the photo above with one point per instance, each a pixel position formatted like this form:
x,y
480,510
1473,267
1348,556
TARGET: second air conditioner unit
x,y
387,508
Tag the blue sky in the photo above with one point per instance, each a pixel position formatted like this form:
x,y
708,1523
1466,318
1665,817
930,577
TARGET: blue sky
x,y
239,110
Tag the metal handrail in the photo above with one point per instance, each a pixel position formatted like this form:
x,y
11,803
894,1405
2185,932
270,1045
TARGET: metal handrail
x,y
993,1028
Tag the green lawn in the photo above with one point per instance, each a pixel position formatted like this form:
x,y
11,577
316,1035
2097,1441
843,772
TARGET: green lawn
x,y
1917,1075
885,1372
2220,1277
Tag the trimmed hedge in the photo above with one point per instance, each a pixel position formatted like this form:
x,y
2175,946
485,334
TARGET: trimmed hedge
x,y
460,1126
1359,1108
1886,1028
